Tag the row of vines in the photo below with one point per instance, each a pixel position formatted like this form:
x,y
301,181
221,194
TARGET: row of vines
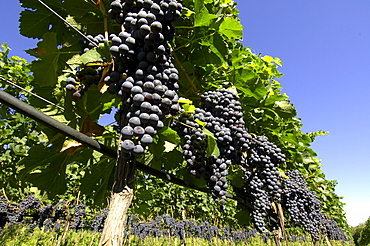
x,y
85,77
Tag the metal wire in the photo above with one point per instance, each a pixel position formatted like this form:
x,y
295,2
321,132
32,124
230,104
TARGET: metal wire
x,y
35,95
65,21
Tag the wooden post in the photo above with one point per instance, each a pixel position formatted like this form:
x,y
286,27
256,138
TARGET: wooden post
x,y
122,195
279,234
278,237
327,241
120,202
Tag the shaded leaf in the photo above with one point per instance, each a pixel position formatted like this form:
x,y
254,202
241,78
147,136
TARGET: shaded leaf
x,y
45,69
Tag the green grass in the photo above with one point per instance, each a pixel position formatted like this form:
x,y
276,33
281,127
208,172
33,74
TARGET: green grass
x,y
19,235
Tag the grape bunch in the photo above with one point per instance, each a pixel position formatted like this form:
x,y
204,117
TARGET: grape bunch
x,y
91,42
89,75
143,75
333,231
55,217
195,144
166,226
78,214
262,183
98,222
220,113
302,204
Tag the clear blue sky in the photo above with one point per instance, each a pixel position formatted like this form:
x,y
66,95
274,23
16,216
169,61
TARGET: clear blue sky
x,y
324,46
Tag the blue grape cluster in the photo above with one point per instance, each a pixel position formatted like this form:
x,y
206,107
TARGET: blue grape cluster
x,y
86,77
220,112
166,226
97,224
91,42
333,231
56,217
30,211
143,75
262,184
302,204
89,75
78,215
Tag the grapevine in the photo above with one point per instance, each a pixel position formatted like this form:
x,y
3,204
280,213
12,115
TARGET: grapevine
x,y
217,147
54,217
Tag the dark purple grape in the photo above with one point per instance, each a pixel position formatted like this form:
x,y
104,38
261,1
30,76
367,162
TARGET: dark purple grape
x,y
151,57
71,88
153,119
130,41
145,107
136,90
123,49
144,117
166,102
134,121
146,139
150,130
139,131
116,41
70,80
115,76
127,86
156,27
138,99
159,125
127,132
76,95
148,86
127,145
138,150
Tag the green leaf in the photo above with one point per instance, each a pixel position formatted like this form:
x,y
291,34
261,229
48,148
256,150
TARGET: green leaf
x,y
45,69
168,161
231,28
204,18
34,24
243,217
91,56
53,164
212,148
98,178
237,179
198,5
189,108
190,179
285,109
167,134
185,101
200,122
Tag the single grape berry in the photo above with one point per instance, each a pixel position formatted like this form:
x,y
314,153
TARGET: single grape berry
x,y
146,139
127,145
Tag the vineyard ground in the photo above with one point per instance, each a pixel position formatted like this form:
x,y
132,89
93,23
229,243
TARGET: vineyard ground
x,y
19,235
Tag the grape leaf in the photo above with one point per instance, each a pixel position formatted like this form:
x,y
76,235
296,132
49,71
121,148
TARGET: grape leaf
x,y
45,69
203,18
98,179
212,148
231,28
